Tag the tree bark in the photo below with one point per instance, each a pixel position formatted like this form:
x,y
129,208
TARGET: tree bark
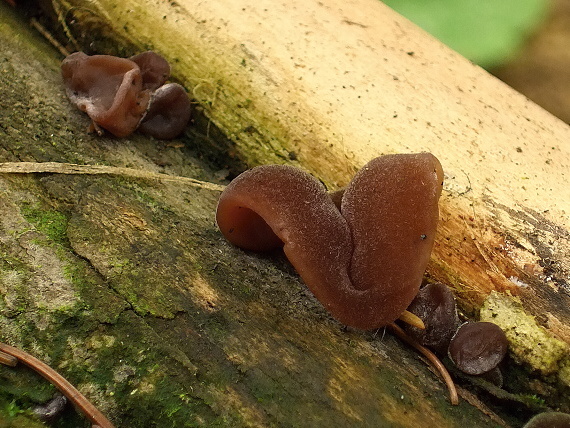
x,y
121,280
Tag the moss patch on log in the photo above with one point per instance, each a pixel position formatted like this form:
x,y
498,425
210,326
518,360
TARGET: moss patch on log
x,y
529,343
213,348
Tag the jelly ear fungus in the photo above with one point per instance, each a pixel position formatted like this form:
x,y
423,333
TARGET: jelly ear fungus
x,y
362,251
109,89
435,305
365,261
121,94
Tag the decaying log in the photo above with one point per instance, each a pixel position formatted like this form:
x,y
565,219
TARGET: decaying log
x,y
122,281
329,85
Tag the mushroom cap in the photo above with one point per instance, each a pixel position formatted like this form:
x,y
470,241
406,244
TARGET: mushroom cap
x,y
478,347
109,89
364,262
435,305
154,69
52,409
168,113
549,420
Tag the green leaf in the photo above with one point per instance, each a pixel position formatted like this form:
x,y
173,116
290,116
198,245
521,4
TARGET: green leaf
x,y
488,32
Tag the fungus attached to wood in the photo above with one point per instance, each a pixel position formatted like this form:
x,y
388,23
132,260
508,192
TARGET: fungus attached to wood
x,y
168,113
364,262
435,305
115,93
478,347
66,388
109,89
549,420
52,409
154,69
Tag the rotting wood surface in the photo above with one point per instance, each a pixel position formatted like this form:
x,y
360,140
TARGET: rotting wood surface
x,y
328,86
150,312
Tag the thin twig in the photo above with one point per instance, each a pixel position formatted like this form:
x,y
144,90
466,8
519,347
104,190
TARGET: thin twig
x,y
432,358
8,360
67,389
47,35
71,169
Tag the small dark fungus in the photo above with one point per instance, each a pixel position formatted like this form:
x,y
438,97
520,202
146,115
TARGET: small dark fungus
x,y
494,376
109,89
364,262
154,69
435,305
549,420
52,409
478,347
168,113
66,388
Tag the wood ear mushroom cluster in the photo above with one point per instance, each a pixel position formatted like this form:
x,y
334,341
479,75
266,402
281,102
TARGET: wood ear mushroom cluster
x,y
121,95
475,348
364,257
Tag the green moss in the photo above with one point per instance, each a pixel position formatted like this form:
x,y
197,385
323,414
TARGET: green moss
x,y
12,416
535,400
14,275
177,407
27,385
52,223
529,343
564,372
9,261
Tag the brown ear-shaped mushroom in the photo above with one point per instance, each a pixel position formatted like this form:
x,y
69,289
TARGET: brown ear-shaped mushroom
x,y
549,420
478,347
168,113
109,89
154,69
435,305
365,262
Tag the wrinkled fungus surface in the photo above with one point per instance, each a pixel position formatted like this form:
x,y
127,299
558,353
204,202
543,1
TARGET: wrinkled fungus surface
x,y
549,420
107,88
154,69
115,93
478,347
168,113
435,305
364,262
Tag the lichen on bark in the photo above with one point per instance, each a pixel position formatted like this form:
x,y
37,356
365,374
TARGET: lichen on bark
x,y
529,343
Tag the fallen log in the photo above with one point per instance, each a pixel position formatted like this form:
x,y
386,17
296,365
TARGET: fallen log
x,y
329,85
325,87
